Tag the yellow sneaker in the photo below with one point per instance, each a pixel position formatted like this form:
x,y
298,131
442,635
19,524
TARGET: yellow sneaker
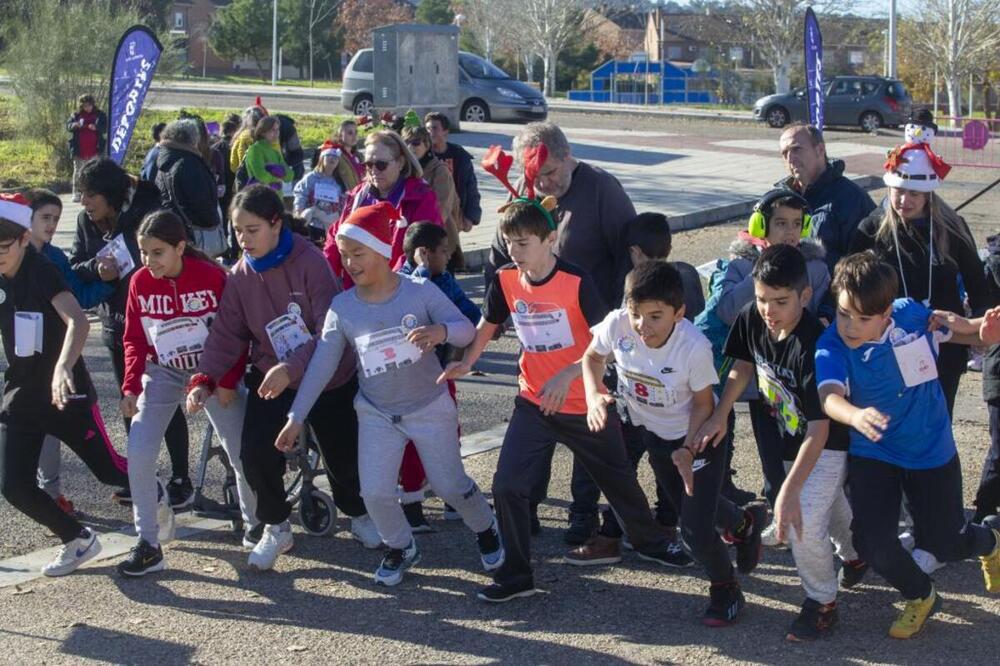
x,y
915,613
991,566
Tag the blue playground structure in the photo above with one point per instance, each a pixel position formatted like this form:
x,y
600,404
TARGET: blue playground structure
x,y
647,82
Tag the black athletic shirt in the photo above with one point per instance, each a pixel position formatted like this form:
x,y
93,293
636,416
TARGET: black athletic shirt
x,y
786,375
28,381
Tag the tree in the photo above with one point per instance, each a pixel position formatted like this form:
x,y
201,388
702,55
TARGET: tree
x,y
358,18
244,29
309,27
776,27
960,36
48,73
487,21
547,26
435,12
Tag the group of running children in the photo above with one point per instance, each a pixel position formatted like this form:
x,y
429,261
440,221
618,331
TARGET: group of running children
x,y
863,417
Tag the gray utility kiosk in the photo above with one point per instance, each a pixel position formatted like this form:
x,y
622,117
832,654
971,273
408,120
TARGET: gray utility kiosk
x,y
416,66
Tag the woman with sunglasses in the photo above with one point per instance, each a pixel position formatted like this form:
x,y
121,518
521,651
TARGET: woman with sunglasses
x,y
438,176
392,174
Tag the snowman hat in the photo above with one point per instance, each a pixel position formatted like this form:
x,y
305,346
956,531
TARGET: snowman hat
x,y
371,226
15,207
920,128
914,166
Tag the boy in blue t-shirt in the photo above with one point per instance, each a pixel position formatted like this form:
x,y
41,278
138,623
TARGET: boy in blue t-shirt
x,y
876,372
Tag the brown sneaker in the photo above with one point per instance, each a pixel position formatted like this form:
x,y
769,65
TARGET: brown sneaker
x,y
598,549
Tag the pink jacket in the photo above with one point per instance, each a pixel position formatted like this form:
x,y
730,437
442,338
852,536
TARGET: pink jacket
x,y
418,204
303,284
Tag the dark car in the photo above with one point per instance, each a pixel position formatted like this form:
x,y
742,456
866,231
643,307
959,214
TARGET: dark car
x,y
869,102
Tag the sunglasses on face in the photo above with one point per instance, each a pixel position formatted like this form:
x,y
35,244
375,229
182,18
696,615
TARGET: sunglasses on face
x,y
377,165
415,143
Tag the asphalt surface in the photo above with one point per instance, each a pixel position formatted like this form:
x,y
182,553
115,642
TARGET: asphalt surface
x,y
320,604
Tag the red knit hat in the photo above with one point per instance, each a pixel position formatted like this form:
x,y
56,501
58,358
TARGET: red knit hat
x,y
15,207
329,147
372,227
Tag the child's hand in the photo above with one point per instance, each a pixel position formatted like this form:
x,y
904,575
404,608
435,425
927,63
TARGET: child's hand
x,y
197,398
951,321
554,393
426,338
684,462
454,370
870,422
62,386
711,432
129,405
597,410
788,514
275,382
989,329
288,437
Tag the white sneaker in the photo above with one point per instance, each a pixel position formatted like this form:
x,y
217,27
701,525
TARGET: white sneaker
x,y
73,554
907,540
165,518
769,537
364,532
277,539
926,561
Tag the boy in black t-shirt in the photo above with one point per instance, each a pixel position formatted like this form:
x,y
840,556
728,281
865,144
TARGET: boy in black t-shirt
x,y
47,390
775,336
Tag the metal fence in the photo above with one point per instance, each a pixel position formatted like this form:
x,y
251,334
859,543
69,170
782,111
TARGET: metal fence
x,y
968,142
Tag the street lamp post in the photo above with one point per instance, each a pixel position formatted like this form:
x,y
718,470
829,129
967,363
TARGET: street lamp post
x,y
274,44
892,39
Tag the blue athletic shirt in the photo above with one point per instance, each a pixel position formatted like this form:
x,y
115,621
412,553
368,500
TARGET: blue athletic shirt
x,y
919,434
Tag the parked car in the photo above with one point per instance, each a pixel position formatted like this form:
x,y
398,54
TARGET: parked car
x,y
486,91
866,101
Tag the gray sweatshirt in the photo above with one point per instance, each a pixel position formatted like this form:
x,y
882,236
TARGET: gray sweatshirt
x,y
393,375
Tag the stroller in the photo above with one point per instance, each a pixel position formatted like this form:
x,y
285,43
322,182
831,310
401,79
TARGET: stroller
x,y
317,511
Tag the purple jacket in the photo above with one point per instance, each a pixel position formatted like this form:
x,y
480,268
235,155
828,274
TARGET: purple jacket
x,y
251,300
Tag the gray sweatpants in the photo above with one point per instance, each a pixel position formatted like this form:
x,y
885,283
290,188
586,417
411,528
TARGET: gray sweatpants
x,y
49,463
434,432
826,524
163,390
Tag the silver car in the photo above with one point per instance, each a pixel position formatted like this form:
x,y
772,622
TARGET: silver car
x,y
869,102
487,92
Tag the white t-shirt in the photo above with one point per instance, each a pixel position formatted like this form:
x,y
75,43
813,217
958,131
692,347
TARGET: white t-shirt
x,y
657,384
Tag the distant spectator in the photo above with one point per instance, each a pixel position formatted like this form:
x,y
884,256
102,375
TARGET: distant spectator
x,y
148,171
438,176
459,162
88,129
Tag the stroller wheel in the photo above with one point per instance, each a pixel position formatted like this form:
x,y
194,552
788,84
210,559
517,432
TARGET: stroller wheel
x,y
318,513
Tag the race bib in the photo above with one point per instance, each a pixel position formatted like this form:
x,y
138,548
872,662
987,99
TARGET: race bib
x,y
327,192
916,361
385,350
645,390
542,331
28,328
287,333
179,342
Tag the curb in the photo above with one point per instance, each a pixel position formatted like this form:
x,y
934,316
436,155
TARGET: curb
x,y
475,260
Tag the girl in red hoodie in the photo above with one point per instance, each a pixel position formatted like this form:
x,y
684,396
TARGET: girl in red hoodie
x,y
171,303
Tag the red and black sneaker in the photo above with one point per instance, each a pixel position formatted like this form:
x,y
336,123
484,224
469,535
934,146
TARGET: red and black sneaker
x,y
815,620
851,573
726,602
748,539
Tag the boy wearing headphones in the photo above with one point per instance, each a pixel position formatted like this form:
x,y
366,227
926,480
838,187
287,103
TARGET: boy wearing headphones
x,y
780,217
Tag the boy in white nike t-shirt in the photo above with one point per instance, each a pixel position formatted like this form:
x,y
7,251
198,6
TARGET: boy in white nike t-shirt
x,y
665,375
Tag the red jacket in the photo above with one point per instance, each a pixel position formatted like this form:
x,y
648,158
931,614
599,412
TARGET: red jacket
x,y
194,294
418,204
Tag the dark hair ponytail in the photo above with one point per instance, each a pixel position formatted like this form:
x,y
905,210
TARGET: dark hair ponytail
x,y
167,226
260,200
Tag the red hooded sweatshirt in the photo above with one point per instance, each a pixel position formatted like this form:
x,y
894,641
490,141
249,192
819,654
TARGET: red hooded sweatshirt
x,y
194,297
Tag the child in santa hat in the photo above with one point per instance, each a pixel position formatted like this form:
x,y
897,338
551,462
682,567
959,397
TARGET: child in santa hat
x,y
394,322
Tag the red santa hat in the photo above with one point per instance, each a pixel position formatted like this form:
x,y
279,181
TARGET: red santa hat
x,y
15,207
372,227
329,147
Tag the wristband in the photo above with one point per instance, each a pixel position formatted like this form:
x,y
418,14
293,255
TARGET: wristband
x,y
201,379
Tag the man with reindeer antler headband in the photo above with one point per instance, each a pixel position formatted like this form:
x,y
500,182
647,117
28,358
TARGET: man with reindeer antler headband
x,y
591,212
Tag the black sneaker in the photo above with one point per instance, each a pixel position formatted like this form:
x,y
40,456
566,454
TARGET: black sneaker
x,y
498,594
142,559
725,605
122,496
491,550
582,526
181,493
414,512
673,556
748,543
851,573
815,620
737,496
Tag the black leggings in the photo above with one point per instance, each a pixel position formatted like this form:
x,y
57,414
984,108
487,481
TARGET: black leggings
x,y
335,423
176,435
21,439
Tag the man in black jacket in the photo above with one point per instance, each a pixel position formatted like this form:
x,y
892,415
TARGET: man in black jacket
x,y
459,161
185,182
837,204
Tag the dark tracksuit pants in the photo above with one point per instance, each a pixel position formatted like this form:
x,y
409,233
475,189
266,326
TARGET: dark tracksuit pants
x,y
988,495
934,499
335,423
21,439
770,446
524,463
176,436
